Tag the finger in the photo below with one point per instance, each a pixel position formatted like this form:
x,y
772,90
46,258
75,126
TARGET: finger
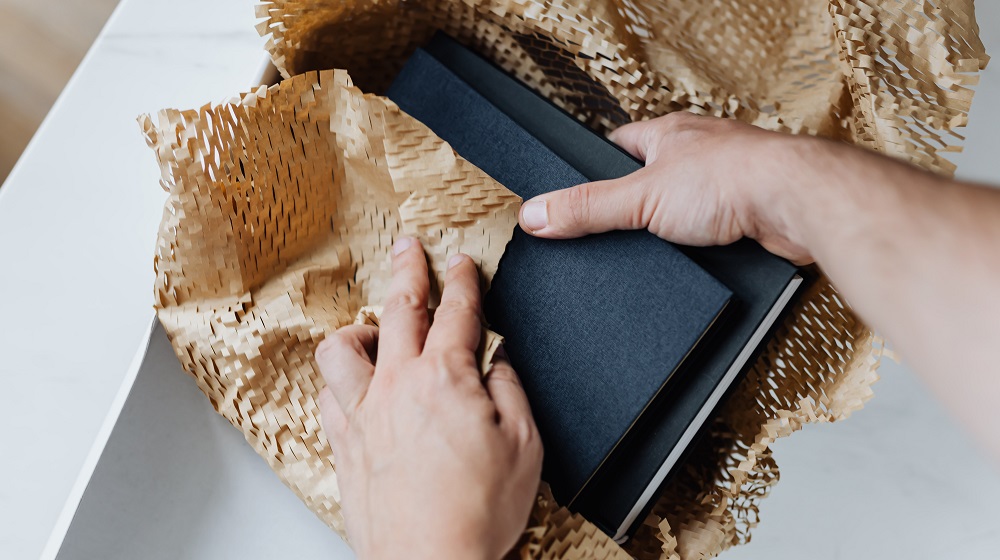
x,y
589,208
403,324
644,139
633,138
512,406
457,327
345,361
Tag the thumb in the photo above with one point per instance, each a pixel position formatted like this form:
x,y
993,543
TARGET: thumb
x,y
588,208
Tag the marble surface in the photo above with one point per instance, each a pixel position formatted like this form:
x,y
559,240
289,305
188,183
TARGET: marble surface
x,y
899,479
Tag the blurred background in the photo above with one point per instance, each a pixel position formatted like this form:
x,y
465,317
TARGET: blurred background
x,y
41,44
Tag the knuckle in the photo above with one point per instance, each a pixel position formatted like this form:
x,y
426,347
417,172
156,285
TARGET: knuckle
x,y
446,369
504,373
457,305
578,200
678,119
440,364
683,116
644,202
692,135
525,432
406,301
333,345
501,371
445,366
679,125
687,136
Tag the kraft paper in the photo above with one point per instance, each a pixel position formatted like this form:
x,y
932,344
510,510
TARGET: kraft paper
x,y
283,205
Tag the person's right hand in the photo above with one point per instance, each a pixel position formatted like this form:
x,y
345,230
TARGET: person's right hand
x,y
706,182
913,251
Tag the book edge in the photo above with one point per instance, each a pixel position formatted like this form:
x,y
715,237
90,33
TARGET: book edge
x,y
699,420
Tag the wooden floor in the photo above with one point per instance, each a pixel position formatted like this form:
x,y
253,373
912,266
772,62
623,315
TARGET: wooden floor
x,y
41,44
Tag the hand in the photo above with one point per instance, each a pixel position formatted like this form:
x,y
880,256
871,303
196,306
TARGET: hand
x,y
914,252
433,461
707,181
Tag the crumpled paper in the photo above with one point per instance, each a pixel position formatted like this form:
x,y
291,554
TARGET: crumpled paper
x,y
892,75
283,205
282,211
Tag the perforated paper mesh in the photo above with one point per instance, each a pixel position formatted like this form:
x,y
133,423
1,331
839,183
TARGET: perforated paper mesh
x,y
283,205
282,211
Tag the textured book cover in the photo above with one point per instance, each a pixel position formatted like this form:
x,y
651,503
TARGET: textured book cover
x,y
763,286
596,326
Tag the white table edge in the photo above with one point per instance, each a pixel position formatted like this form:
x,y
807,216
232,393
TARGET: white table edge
x,y
266,75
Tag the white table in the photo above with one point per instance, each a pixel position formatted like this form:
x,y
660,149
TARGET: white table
x,y
78,219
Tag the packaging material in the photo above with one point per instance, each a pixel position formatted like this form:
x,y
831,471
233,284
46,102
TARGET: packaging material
x,y
892,75
282,211
284,203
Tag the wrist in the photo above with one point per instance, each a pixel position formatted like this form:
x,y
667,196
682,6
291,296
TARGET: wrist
x,y
788,177
819,195
809,191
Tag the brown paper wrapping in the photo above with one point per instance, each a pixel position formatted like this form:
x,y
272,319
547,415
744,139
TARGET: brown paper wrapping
x,y
282,211
284,203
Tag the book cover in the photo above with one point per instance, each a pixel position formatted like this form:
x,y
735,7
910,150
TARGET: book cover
x,y
763,285
595,327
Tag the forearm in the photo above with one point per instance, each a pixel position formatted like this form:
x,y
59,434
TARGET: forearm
x,y
918,257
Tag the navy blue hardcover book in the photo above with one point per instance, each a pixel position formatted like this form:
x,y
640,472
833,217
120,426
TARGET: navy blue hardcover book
x,y
764,286
595,327
622,490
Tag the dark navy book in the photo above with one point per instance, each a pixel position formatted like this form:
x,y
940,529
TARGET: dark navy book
x,y
604,330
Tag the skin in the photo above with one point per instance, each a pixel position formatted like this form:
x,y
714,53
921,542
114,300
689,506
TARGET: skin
x,y
432,460
916,255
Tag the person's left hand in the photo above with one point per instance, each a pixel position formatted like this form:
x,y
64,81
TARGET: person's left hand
x,y
433,461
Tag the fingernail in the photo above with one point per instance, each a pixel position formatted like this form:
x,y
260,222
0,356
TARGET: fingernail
x,y
401,244
535,215
455,259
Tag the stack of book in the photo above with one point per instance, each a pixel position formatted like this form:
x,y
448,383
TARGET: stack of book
x,y
625,343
